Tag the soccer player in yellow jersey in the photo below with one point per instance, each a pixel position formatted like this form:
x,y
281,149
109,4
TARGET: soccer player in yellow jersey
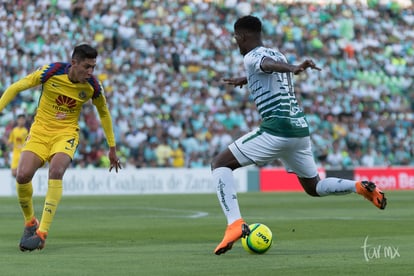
x,y
16,140
54,134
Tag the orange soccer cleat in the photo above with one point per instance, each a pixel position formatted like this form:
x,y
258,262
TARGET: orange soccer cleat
x,y
30,228
234,231
370,191
37,241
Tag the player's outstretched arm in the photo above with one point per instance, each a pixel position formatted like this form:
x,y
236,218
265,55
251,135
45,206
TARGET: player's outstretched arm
x,y
236,81
31,80
270,65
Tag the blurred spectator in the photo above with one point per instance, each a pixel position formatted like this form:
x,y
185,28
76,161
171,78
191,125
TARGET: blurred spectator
x,y
334,157
177,155
164,61
163,152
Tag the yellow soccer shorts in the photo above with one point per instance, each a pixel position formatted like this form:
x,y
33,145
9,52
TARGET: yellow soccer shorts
x,y
45,145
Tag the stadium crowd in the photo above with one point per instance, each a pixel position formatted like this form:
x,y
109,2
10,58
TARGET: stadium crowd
x,y
161,63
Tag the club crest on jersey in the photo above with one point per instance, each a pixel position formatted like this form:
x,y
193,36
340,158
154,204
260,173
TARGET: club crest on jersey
x,y
82,94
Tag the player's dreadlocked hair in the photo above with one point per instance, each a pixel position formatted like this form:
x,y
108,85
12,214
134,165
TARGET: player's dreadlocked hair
x,y
84,51
248,23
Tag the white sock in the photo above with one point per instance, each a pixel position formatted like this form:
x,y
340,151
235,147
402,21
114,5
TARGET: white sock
x,y
335,186
226,192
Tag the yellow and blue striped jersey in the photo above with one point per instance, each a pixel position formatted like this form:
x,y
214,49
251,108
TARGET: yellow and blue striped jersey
x,y
61,101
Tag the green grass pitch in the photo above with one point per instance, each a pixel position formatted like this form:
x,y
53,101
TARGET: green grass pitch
x,y
176,235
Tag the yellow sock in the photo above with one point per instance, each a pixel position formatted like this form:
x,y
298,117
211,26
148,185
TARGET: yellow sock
x,y
53,196
24,195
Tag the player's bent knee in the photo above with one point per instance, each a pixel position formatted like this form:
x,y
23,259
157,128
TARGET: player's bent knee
x,y
309,185
225,159
216,163
213,164
312,193
22,178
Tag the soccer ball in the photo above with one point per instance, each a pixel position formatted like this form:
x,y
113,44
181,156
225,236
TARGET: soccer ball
x,y
259,240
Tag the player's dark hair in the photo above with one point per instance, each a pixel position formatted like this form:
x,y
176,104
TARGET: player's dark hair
x,y
84,51
249,23
21,116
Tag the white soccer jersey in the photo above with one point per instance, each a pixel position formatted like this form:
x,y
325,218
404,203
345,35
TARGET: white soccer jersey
x,y
274,96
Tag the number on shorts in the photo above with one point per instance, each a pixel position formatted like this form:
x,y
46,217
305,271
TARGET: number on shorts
x,y
71,142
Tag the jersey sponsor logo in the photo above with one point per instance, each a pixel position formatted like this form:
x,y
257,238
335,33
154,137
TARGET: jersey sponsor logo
x,y
60,115
64,105
65,100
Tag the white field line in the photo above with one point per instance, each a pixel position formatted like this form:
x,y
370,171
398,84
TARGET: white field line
x,y
168,212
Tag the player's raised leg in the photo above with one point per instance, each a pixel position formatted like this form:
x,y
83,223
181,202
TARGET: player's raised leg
x,y
337,186
303,164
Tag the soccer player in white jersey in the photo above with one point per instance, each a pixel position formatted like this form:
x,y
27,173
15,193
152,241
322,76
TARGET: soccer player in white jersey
x,y
283,133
